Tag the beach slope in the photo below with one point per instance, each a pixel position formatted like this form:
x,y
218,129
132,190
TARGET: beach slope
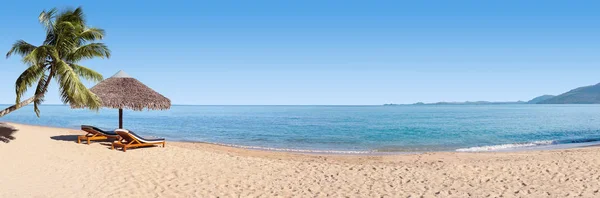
x,y
47,162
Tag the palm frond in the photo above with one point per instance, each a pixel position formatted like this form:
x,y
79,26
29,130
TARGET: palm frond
x,y
26,80
66,38
65,26
86,73
89,51
39,55
72,91
46,18
40,92
78,15
20,47
74,16
92,34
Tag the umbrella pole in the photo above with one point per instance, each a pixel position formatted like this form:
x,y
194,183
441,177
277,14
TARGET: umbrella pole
x,y
120,118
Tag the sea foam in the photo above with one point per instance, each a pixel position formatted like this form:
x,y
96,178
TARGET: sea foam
x,y
507,146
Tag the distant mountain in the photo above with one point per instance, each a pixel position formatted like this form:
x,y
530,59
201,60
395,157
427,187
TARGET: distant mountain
x,y
582,95
539,99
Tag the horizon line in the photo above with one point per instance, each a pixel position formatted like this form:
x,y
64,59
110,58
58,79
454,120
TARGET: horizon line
x,y
248,104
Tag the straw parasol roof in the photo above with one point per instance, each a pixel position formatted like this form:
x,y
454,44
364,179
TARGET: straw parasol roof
x,y
122,91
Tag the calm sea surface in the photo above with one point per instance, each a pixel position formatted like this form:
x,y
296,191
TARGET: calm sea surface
x,y
347,128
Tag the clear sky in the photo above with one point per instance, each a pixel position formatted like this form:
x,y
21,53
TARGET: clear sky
x,y
331,52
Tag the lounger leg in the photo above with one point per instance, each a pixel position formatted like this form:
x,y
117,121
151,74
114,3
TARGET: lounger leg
x,y
124,148
78,139
112,146
88,141
164,144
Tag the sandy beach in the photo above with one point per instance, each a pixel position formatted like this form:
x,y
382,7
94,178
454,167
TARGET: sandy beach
x,y
47,162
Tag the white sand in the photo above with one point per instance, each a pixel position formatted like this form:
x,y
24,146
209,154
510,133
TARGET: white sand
x,y
36,164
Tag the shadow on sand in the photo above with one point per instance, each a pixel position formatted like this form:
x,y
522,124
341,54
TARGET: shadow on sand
x,y
68,138
73,138
6,132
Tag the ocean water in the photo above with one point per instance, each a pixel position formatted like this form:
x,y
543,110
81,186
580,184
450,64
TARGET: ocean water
x,y
347,129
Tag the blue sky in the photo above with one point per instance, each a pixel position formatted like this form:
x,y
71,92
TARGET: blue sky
x,y
331,52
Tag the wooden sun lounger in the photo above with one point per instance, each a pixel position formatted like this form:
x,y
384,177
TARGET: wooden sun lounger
x,y
94,133
131,140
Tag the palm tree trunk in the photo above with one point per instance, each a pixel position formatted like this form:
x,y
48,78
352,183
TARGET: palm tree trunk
x,y
16,106
29,100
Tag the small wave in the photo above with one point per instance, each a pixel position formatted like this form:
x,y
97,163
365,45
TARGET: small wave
x,y
294,150
580,140
529,144
507,146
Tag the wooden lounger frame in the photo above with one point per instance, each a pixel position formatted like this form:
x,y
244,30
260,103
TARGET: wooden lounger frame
x,y
92,134
133,143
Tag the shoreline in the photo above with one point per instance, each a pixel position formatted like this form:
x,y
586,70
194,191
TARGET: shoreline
x,y
549,147
275,151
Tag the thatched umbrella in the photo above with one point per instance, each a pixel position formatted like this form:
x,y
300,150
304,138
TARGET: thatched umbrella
x,y
122,91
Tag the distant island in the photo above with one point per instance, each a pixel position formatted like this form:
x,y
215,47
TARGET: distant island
x,y
539,99
581,95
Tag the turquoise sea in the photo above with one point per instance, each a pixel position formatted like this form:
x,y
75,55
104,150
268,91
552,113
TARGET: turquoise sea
x,y
347,129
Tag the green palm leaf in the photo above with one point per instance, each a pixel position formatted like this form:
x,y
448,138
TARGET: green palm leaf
x,y
86,73
89,51
92,34
72,91
40,55
26,80
21,48
40,92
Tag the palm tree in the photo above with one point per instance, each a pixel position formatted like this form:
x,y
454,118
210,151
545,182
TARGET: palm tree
x,y
68,41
